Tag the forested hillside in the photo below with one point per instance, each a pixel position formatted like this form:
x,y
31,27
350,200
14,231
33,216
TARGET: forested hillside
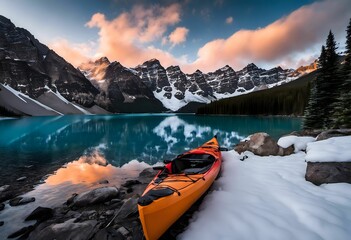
x,y
288,99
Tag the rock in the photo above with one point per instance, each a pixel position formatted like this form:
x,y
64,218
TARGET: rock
x,y
40,214
21,179
260,144
104,182
286,151
130,183
66,230
128,209
147,175
4,188
333,133
123,231
71,199
108,234
95,196
1,223
328,172
2,206
86,215
21,201
24,232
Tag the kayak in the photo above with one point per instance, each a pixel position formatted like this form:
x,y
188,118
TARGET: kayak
x,y
177,186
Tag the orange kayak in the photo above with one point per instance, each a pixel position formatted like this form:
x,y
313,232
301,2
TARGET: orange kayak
x,y
177,186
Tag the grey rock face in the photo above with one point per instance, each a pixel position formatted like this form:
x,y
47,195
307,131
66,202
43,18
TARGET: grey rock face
x,y
28,66
328,172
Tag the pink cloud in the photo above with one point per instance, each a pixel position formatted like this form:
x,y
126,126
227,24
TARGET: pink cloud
x,y
130,38
229,20
297,32
74,53
178,35
124,38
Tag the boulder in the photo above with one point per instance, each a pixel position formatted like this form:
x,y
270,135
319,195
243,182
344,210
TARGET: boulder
x,y
130,183
333,133
262,144
328,172
66,230
24,232
21,201
128,209
95,196
40,214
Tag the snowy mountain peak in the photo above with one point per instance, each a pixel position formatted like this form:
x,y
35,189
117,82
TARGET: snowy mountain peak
x,y
102,60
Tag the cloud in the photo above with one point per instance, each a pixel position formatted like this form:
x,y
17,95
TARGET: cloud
x,y
129,37
178,35
74,53
229,20
299,31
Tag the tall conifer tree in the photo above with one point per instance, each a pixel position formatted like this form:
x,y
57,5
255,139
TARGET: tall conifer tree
x,y
342,115
314,113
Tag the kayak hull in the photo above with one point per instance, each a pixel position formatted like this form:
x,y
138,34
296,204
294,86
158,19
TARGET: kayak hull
x,y
158,216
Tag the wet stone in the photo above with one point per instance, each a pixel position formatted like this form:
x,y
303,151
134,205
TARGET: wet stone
x,y
21,201
2,206
40,214
21,179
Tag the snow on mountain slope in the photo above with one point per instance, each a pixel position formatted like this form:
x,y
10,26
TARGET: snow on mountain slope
x,y
21,104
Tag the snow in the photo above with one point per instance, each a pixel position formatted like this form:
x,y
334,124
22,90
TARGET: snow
x,y
17,93
336,149
268,198
300,143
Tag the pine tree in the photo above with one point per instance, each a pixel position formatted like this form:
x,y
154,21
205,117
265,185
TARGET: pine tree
x,y
342,114
314,113
330,86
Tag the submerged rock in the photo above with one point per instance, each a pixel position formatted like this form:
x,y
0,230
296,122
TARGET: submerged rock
x,y
24,232
328,172
21,201
95,196
40,214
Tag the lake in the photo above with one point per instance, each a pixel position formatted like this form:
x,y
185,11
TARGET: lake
x,y
74,153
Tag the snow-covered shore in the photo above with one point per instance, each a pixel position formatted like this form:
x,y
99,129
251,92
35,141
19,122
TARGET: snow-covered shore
x,y
269,198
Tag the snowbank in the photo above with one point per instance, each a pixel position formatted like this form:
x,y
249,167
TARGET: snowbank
x,y
300,143
268,198
336,149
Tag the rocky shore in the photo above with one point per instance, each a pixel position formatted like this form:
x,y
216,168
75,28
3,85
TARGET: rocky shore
x,y
98,214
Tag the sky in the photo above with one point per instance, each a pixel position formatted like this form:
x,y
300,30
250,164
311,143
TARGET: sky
x,y
195,34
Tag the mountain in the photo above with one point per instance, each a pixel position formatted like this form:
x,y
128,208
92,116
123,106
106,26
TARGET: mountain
x,y
175,89
40,82
31,72
286,99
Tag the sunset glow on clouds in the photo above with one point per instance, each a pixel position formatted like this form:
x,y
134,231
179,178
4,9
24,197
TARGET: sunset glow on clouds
x,y
147,32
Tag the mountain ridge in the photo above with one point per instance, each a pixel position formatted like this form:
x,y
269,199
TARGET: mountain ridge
x,y
31,68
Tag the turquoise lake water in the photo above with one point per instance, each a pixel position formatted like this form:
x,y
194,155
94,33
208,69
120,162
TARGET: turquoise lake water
x,y
72,154
39,142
